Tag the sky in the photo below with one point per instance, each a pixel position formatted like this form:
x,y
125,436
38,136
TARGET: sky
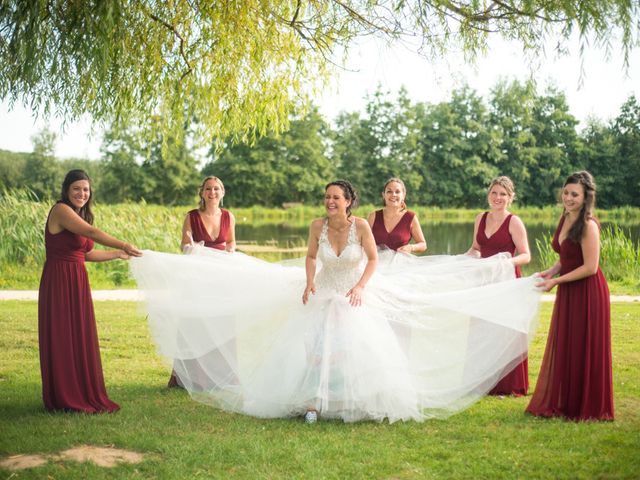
x,y
598,91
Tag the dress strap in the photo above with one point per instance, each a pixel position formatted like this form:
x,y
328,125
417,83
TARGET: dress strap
x,y
324,232
353,238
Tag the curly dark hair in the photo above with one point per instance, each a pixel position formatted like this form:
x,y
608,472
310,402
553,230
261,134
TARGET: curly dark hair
x,y
348,191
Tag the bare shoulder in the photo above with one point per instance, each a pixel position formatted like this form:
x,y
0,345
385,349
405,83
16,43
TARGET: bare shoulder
x,y
516,221
361,224
61,209
592,227
316,225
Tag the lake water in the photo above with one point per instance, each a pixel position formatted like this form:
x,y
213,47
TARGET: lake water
x,y
286,241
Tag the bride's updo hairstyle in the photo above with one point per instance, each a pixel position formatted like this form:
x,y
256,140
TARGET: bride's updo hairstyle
x,y
348,191
585,179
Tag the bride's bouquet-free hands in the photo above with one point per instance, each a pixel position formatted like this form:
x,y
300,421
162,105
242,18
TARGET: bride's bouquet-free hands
x,y
309,290
355,296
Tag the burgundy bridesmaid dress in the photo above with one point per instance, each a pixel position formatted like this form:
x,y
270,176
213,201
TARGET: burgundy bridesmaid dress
x,y
69,352
575,379
400,234
515,382
200,234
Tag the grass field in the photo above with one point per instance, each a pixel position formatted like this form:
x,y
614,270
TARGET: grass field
x,y
182,439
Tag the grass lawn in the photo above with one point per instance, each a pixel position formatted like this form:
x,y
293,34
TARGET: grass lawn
x,y
183,439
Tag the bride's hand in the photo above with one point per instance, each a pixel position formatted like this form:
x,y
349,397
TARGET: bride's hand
x,y
355,296
309,290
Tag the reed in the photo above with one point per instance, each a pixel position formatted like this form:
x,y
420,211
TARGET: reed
x,y
155,227
619,256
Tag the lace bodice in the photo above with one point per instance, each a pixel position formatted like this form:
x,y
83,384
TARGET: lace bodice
x,y
339,273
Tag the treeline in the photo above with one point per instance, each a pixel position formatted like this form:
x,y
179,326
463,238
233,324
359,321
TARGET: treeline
x,y
445,152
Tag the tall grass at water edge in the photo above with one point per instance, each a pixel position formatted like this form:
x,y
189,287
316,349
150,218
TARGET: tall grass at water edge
x,y
156,227
619,256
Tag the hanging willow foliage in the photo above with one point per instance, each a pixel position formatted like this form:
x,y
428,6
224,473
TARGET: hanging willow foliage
x,y
236,68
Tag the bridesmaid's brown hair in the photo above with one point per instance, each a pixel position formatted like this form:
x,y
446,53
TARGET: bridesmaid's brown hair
x,y
585,179
73,176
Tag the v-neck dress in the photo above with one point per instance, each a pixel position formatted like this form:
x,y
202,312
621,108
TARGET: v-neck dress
x,y
515,382
399,235
200,234
576,380
70,362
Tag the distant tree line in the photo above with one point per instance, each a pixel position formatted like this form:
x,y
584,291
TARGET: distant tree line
x,y
446,153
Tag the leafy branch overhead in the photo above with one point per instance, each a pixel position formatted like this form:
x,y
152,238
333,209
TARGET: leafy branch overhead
x,y
236,68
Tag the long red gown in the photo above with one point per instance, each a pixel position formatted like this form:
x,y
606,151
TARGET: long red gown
x,y
200,234
69,352
515,382
575,379
400,234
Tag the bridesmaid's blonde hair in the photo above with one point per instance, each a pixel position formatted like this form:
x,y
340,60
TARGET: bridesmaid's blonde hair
x,y
506,183
201,189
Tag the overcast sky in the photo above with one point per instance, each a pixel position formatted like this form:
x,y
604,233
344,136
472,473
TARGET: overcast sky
x,y
603,88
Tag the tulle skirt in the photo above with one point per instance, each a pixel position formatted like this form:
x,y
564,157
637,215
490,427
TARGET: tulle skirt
x,y
434,334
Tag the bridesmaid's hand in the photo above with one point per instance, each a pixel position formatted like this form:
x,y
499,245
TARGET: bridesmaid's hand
x,y
309,290
355,296
406,249
547,284
131,250
122,255
546,274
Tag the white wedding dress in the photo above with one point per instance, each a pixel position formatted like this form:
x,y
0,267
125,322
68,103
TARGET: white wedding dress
x,y
433,335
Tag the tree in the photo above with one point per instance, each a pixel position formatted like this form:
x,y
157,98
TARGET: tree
x,y
511,116
626,129
12,166
382,144
237,67
42,174
598,152
554,129
460,151
123,179
292,167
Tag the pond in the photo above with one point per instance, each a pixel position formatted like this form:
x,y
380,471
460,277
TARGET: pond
x,y
282,241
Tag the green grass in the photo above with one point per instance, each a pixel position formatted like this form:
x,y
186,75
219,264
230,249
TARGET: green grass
x,y
184,439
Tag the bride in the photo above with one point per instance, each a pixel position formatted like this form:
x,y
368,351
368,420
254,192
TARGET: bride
x,y
421,337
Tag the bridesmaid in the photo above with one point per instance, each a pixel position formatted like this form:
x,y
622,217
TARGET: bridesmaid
x,y
70,363
403,225
575,379
209,224
498,231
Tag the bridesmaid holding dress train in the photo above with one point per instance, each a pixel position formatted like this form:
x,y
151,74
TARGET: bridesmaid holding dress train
x,y
209,224
70,363
498,231
394,226
575,380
